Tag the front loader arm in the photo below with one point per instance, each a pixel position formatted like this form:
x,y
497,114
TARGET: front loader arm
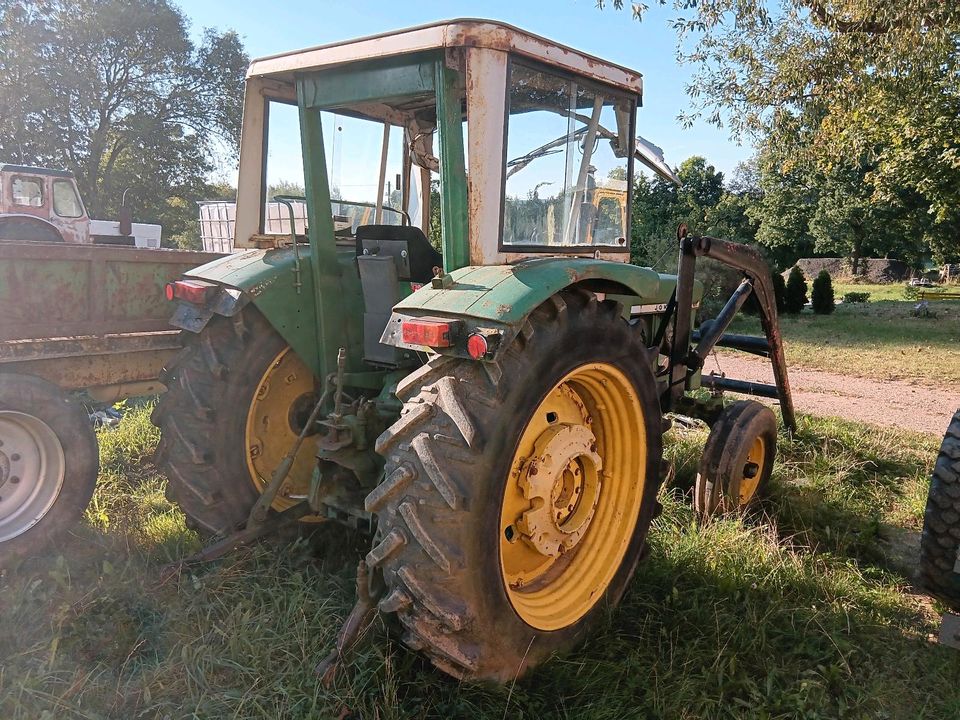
x,y
758,280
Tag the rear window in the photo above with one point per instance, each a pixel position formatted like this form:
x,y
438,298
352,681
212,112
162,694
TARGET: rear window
x,y
27,191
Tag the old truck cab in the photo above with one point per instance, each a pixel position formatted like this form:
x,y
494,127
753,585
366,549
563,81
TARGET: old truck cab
x,y
39,204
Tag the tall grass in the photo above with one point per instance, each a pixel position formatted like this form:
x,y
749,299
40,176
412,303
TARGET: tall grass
x,y
795,612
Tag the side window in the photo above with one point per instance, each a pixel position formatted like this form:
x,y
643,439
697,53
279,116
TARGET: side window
x,y
564,155
284,169
65,200
27,191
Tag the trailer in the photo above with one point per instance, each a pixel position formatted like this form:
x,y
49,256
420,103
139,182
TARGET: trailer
x,y
76,320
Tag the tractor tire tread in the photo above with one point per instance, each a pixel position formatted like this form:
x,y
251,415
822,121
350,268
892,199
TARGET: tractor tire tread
x,y
940,540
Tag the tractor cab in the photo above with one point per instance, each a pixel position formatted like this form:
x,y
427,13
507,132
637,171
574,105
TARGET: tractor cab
x,y
464,143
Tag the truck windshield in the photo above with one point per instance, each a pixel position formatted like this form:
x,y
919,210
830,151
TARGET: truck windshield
x,y
567,165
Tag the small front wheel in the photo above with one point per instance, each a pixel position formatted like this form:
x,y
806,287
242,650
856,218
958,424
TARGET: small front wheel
x,y
738,459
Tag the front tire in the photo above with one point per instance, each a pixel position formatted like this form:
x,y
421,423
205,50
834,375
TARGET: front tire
x,y
48,465
737,460
448,519
234,397
940,542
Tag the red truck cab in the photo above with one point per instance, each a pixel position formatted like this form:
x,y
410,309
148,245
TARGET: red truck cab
x,y
41,204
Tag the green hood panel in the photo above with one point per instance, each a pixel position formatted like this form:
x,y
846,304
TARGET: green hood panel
x,y
508,293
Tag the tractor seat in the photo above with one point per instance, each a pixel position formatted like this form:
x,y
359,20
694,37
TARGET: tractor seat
x,y
420,257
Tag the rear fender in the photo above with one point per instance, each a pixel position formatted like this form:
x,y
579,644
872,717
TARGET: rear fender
x,y
496,300
266,278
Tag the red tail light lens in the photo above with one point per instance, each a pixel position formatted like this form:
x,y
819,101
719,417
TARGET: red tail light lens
x,y
432,333
477,346
192,291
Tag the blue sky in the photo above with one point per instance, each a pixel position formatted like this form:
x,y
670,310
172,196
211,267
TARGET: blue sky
x,y
647,46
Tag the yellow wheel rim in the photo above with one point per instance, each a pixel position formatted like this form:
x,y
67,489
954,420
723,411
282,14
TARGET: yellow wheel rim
x,y
752,471
282,399
573,496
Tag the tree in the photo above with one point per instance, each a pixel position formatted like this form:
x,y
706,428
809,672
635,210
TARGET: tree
x,y
117,92
821,297
795,297
830,82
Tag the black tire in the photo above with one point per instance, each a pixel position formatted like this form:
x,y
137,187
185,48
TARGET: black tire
x,y
64,427
203,415
718,485
940,541
448,458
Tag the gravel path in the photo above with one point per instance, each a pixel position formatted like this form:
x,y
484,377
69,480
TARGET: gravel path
x,y
896,403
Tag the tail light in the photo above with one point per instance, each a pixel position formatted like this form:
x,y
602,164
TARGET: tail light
x,y
191,291
432,333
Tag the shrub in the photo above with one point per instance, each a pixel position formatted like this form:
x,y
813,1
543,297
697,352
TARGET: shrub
x,y
856,297
795,292
780,292
822,296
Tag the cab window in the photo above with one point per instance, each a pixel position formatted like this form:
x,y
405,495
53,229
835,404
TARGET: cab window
x,y
65,201
27,191
567,147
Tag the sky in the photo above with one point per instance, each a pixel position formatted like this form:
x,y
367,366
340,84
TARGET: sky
x,y
647,46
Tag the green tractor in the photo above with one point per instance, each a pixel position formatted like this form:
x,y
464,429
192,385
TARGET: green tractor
x,y
490,407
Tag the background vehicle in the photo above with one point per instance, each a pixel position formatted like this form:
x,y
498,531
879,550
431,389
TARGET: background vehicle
x,y
940,542
492,412
75,317
40,204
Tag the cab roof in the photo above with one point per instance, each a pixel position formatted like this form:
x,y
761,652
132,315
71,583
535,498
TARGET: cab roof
x,y
34,170
466,32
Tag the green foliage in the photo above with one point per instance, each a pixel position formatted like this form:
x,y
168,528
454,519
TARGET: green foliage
x,y
703,203
795,292
120,93
856,297
821,296
780,292
855,91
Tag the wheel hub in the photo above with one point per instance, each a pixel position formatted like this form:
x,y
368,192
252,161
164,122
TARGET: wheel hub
x,y
280,406
31,472
562,482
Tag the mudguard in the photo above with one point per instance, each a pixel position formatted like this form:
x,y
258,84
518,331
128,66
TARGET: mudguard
x,y
267,278
497,299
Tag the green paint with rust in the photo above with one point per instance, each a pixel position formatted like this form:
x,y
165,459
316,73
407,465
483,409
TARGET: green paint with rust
x,y
267,277
509,293
453,173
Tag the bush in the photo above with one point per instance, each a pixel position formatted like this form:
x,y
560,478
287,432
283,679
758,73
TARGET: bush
x,y
822,296
856,297
795,292
780,292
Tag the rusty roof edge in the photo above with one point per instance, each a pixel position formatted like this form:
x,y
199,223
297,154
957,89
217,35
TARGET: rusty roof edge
x,y
459,32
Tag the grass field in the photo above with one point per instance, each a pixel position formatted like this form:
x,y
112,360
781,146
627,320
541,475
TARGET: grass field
x,y
879,338
801,613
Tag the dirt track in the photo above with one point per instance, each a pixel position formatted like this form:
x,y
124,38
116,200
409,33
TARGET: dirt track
x,y
897,403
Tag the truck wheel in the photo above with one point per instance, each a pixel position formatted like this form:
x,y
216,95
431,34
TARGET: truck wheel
x,y
940,542
48,464
517,496
737,460
237,396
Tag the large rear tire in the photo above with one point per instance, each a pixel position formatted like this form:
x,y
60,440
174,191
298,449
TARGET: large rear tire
x,y
940,542
48,465
235,396
491,568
